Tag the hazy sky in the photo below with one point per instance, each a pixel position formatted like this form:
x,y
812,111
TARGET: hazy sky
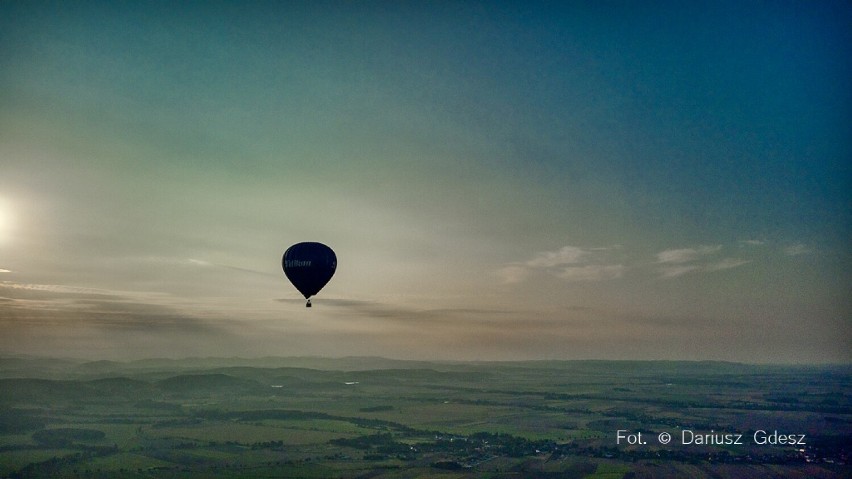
x,y
506,180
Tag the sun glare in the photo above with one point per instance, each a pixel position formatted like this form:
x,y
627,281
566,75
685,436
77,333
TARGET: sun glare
x,y
6,220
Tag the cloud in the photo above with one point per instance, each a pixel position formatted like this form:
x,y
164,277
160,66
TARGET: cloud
x,y
514,273
726,263
565,255
686,255
572,263
675,271
752,243
797,250
376,309
86,321
58,291
207,264
99,315
592,272
4,270
677,262
569,263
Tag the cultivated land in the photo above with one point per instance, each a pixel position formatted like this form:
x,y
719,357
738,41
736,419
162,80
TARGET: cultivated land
x,y
377,418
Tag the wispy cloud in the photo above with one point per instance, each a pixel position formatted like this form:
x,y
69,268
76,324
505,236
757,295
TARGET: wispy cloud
x,y
208,264
592,272
675,271
797,250
377,309
677,262
569,263
572,263
194,262
685,255
726,263
59,291
514,273
563,256
56,288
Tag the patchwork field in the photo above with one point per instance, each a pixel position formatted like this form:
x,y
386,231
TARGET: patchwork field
x,y
368,417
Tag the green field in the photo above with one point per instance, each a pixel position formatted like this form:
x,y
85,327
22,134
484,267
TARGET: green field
x,y
367,417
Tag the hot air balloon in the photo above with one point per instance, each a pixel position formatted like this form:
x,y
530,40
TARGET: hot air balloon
x,y
309,266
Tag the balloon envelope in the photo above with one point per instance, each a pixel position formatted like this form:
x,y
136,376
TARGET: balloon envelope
x,y
309,266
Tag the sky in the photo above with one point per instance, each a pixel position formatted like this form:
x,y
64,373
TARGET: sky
x,y
499,180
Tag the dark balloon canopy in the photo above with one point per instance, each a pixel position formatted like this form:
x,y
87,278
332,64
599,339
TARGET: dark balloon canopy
x,y
309,266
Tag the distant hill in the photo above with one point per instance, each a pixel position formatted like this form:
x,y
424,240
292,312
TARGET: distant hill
x,y
208,383
330,364
29,366
316,369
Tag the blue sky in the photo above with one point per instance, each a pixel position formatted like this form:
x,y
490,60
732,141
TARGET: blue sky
x,y
505,180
